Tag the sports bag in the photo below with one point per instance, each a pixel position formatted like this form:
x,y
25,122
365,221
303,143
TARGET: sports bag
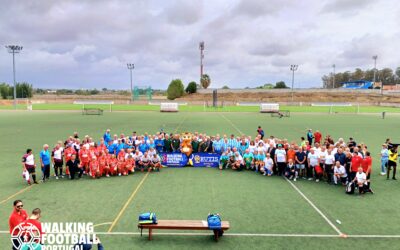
x,y
350,188
147,218
214,221
319,170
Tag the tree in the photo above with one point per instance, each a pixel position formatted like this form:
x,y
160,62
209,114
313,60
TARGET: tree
x,y
280,85
4,90
191,88
225,87
358,74
175,89
205,81
94,92
386,76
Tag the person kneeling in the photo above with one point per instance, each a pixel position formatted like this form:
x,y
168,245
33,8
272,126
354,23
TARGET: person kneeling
x,y
361,180
339,173
155,163
291,170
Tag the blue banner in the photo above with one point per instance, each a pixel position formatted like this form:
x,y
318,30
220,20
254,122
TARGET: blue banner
x,y
174,159
205,159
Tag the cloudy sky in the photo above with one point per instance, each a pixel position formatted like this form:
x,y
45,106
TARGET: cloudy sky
x,y
86,44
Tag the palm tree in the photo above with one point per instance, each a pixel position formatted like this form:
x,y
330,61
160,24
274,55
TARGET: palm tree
x,y
205,81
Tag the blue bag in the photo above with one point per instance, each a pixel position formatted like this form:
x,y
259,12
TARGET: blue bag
x,y
214,221
147,218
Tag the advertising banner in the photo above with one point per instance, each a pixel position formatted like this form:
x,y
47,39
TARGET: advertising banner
x,y
205,160
174,159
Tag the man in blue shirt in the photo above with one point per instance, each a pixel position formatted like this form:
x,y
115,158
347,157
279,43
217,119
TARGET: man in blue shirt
x,y
218,145
111,148
107,136
45,162
159,143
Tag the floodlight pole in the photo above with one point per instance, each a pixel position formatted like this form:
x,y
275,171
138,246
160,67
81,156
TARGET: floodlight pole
x,y
293,68
375,57
334,66
14,49
131,66
201,47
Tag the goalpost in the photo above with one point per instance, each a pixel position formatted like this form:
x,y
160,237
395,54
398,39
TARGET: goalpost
x,y
91,105
334,108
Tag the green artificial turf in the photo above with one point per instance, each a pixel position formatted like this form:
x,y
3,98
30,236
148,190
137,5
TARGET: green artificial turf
x,y
252,203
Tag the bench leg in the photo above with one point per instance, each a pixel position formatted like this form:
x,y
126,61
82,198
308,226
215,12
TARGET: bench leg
x,y
150,233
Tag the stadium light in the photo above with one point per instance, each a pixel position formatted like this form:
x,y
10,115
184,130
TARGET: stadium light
x,y
293,68
14,49
131,66
375,57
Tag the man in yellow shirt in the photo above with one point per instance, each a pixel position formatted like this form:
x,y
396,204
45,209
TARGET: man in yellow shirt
x,y
393,155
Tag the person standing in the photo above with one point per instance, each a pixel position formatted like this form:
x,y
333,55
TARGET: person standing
x,y
17,216
45,162
28,163
313,161
366,164
317,136
280,159
393,155
384,159
356,161
260,132
34,220
310,136
58,156
300,160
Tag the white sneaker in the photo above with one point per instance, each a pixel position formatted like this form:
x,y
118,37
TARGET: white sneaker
x,y
264,174
383,173
56,177
310,179
317,180
119,174
294,179
107,175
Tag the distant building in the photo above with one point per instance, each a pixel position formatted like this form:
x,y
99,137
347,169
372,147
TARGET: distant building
x,y
51,91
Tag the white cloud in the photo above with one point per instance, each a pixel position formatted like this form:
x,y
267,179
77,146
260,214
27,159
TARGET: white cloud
x,y
71,43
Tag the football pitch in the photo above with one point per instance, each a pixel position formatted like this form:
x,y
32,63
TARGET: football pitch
x,y
264,212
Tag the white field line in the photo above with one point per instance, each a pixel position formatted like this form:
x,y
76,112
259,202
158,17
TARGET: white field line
x,y
315,208
232,124
250,235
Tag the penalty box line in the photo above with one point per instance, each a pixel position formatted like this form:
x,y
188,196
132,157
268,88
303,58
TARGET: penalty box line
x,y
316,209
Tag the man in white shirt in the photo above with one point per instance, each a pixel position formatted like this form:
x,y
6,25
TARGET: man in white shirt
x,y
361,180
280,159
58,156
329,161
313,161
28,163
339,172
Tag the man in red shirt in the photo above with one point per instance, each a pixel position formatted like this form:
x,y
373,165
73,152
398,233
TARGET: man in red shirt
x,y
366,164
317,136
356,161
17,216
34,220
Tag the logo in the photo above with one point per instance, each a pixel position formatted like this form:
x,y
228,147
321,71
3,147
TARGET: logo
x,y
197,158
26,236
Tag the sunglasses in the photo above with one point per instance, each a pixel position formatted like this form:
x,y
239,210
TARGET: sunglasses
x,y
20,206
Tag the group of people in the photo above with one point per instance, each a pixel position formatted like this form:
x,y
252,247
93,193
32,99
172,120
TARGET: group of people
x,y
314,158
86,157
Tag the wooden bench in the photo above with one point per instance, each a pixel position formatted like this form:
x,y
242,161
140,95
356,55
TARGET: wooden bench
x,y
183,225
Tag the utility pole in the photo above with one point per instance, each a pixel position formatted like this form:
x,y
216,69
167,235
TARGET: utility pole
x,y
131,66
334,83
293,68
201,47
14,49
